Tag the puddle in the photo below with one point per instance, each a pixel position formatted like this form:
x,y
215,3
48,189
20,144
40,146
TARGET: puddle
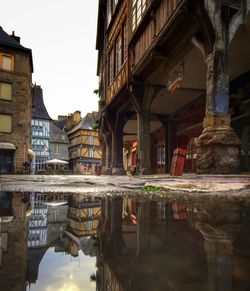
x,y
76,241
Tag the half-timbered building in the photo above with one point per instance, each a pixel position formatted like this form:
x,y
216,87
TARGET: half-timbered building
x,y
187,84
84,150
83,215
40,126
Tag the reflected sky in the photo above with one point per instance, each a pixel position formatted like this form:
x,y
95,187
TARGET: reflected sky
x,y
61,272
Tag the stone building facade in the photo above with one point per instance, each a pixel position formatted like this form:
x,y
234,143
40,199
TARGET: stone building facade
x,y
59,143
16,69
186,86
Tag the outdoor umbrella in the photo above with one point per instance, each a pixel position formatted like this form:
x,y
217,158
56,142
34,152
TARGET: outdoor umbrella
x,y
56,162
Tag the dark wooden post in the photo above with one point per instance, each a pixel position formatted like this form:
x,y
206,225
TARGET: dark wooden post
x,y
218,145
142,99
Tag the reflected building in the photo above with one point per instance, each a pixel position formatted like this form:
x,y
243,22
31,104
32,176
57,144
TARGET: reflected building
x,y
14,209
47,223
173,245
139,243
83,216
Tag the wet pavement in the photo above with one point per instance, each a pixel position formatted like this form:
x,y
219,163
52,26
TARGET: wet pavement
x,y
222,185
189,233
80,241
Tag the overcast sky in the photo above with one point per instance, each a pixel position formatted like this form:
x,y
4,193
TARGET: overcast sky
x,y
61,34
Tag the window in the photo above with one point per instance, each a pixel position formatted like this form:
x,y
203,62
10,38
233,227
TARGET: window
x,y
6,62
57,149
111,5
124,41
5,91
109,11
89,225
111,66
161,156
90,212
5,123
118,54
138,7
91,153
91,140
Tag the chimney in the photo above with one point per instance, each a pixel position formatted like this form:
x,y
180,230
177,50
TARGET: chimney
x,y
77,117
17,38
61,117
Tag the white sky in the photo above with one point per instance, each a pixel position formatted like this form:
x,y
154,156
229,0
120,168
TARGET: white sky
x,y
62,35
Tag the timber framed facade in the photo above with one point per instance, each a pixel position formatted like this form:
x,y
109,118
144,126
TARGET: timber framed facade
x,y
85,152
186,86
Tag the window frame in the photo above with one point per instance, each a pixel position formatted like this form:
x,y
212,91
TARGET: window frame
x,y
118,54
7,132
111,62
1,62
11,91
124,41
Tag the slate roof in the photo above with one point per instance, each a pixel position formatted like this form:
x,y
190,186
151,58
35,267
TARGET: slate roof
x,y
39,110
56,133
12,42
87,123
61,123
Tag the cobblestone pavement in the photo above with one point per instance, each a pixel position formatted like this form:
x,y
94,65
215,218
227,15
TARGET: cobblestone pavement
x,y
192,184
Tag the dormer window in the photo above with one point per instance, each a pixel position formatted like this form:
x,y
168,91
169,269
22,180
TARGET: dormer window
x,y
6,62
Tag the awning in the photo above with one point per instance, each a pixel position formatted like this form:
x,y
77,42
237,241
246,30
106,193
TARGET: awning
x,y
31,153
7,146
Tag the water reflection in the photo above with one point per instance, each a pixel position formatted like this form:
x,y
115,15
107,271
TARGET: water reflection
x,y
83,242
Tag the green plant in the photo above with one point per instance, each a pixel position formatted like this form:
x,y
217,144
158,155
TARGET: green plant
x,y
101,102
93,277
151,188
96,124
96,91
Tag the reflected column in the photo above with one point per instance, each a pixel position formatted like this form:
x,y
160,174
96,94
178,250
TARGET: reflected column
x,y
219,227
143,227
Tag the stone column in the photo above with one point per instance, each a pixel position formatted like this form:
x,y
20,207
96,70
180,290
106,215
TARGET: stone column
x,y
218,145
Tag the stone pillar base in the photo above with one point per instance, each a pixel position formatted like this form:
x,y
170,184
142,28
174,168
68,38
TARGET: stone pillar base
x,y
108,171
145,171
118,171
217,147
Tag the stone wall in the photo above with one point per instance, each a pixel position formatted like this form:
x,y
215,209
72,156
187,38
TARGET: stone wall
x,y
19,108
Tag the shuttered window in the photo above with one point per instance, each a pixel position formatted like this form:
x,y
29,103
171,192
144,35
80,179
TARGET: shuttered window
x,y
5,123
5,91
